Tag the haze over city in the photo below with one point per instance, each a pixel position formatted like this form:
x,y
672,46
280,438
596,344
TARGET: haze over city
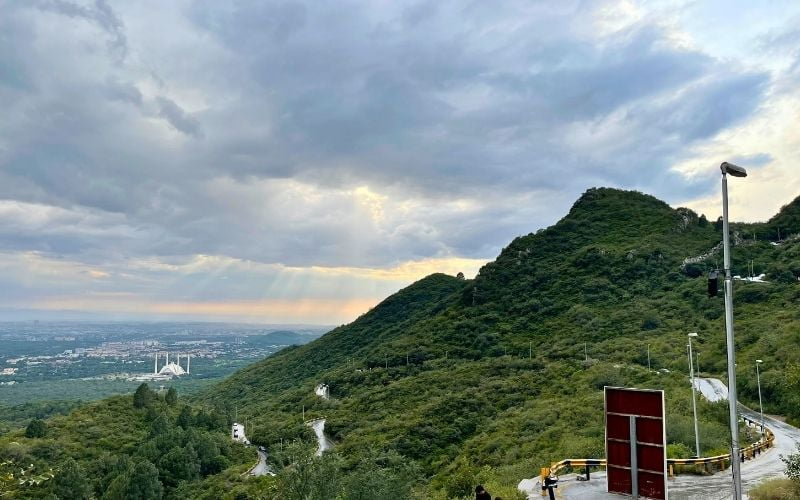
x,y
310,159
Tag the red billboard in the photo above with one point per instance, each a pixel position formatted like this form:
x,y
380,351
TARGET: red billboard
x,y
636,442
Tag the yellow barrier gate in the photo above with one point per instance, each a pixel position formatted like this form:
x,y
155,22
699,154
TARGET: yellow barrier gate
x,y
749,452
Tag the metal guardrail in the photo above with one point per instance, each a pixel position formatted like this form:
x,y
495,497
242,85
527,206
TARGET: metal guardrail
x,y
748,452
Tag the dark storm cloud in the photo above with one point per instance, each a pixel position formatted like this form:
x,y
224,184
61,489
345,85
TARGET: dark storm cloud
x,y
471,123
177,117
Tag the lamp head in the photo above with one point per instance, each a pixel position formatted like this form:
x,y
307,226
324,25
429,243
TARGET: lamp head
x,y
759,361
693,334
734,170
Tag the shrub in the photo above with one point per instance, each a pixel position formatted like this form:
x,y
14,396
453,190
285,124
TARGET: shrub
x,y
793,465
775,489
36,429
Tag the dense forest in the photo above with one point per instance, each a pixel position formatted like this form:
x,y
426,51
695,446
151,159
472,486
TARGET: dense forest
x,y
451,382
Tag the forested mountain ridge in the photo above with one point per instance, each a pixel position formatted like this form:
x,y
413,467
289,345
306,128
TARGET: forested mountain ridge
x,y
453,373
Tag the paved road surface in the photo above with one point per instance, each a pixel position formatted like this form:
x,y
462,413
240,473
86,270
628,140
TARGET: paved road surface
x,y
687,487
325,444
262,467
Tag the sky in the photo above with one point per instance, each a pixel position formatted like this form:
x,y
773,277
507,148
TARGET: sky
x,y
297,162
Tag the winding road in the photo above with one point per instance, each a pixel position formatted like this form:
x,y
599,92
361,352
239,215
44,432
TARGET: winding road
x,y
262,467
325,444
767,465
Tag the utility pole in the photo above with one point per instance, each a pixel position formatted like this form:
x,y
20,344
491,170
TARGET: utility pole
x,y
760,406
304,413
736,473
694,401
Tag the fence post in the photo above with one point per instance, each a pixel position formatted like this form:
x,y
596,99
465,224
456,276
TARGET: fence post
x,y
544,473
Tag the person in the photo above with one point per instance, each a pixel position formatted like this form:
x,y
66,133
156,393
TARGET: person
x,y
481,493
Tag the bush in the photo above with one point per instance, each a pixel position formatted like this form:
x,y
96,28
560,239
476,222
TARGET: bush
x,y
694,270
793,465
36,429
70,482
752,293
780,274
775,489
651,322
678,450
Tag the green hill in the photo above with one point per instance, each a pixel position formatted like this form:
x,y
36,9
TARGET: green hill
x,y
486,378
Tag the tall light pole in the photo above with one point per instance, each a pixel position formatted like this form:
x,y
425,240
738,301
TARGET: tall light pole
x,y
694,399
648,358
760,406
735,171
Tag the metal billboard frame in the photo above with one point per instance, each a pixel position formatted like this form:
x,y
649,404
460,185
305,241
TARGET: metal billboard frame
x,y
632,438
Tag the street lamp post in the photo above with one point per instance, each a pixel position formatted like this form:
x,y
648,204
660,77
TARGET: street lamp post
x,y
760,406
735,171
648,358
694,399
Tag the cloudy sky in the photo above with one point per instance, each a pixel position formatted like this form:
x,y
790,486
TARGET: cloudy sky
x,y
298,161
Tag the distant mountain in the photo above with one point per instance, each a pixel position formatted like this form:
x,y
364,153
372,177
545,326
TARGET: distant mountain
x,y
287,337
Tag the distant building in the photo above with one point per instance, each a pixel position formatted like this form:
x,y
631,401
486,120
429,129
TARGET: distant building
x,y
237,433
323,391
172,369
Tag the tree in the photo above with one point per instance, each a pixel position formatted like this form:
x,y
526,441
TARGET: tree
x,y
143,397
70,483
36,429
160,425
780,274
179,464
184,420
140,483
172,396
792,465
207,452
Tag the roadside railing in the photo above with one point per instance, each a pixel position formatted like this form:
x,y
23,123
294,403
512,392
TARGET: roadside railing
x,y
722,461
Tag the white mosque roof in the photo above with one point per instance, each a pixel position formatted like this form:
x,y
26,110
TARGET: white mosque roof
x,y
172,369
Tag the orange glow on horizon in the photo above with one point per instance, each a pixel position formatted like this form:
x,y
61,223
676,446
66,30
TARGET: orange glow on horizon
x,y
268,310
